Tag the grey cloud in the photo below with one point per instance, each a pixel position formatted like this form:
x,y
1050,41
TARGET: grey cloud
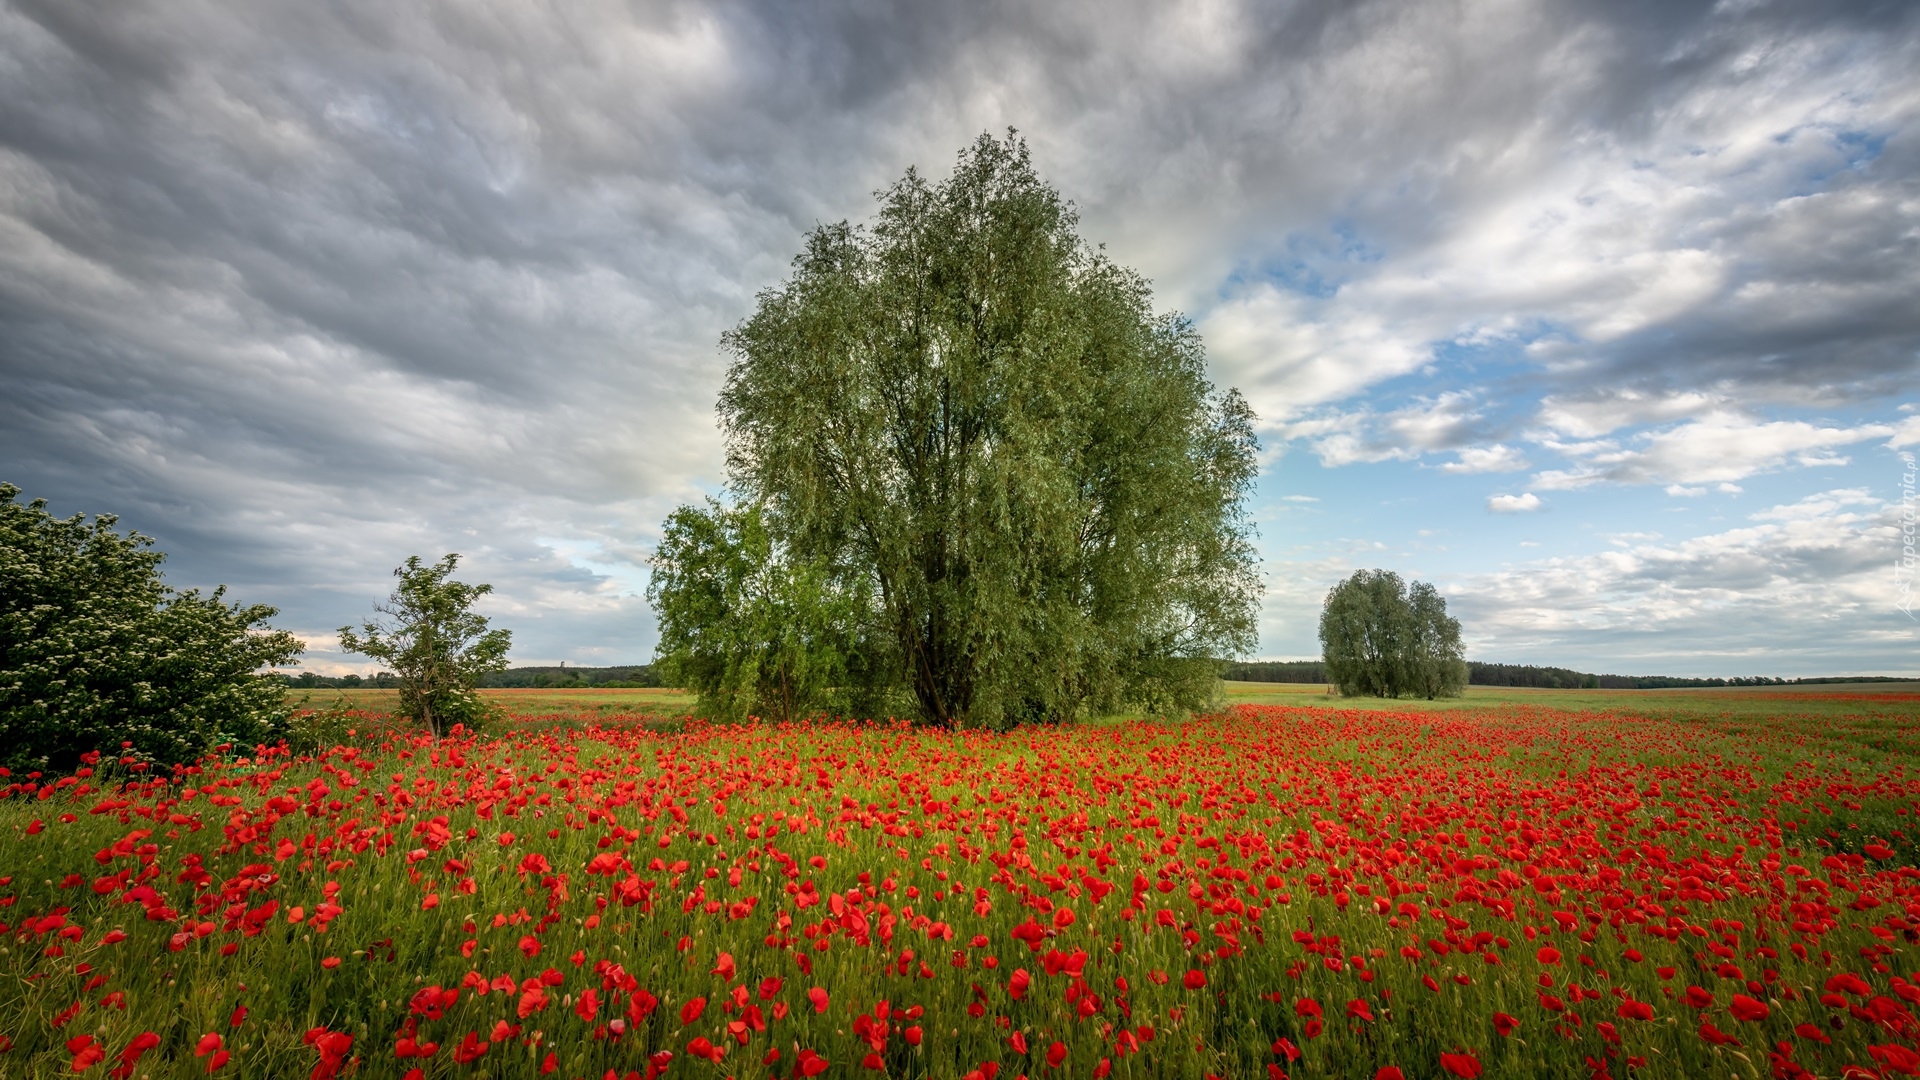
x,y
1722,204
304,288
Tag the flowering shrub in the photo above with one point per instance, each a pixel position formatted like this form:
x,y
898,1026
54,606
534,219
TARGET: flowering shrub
x,y
96,651
1270,893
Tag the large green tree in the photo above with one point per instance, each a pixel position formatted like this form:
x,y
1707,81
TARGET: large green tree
x,y
970,415
96,650
1381,637
434,641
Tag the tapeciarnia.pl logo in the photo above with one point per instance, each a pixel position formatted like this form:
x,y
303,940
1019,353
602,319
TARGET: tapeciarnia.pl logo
x,y
1903,566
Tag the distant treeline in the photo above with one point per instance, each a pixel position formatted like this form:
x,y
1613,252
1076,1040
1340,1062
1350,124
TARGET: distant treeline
x,y
1549,678
1286,671
629,675
307,680
1302,671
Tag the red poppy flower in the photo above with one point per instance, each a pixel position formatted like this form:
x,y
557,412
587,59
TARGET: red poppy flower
x,y
1715,1036
1635,1010
1848,983
1900,1059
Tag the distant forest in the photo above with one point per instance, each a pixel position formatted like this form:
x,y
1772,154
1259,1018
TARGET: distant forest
x,y
1547,678
624,676
1282,671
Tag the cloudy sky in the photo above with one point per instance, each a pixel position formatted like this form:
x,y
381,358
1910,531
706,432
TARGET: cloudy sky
x,y
1602,316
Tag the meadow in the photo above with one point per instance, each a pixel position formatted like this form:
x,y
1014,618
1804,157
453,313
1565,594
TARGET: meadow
x,y
1514,884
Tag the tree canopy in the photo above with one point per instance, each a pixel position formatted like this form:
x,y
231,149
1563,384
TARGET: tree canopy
x,y
96,650
972,426
1381,637
434,641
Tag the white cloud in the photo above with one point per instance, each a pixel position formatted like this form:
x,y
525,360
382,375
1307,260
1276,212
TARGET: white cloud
x,y
1601,412
1720,447
1287,354
1514,504
1829,505
1443,422
1488,459
1814,573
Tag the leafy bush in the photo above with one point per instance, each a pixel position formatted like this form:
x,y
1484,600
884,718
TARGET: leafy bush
x,y
753,632
96,651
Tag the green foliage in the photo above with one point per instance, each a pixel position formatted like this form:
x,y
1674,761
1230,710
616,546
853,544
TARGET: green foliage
x,y
436,644
1382,638
95,650
1276,671
752,629
621,676
978,423
307,680
314,731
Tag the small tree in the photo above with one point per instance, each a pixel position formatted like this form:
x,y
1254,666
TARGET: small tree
x,y
96,651
749,629
435,643
1380,638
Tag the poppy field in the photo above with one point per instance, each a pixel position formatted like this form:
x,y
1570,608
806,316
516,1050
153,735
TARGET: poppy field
x,y
1504,890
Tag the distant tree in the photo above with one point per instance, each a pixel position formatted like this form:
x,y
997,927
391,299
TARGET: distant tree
x,y
436,644
978,422
96,651
1362,627
1380,638
749,628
